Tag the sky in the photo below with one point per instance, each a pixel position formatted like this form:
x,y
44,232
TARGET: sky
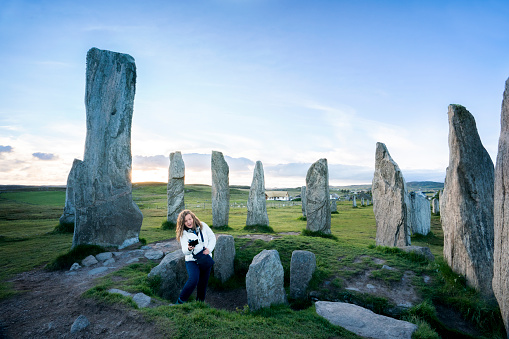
x,y
284,82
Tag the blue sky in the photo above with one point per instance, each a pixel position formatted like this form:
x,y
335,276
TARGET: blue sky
x,y
283,82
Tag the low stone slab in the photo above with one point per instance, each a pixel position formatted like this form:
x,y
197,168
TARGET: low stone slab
x,y
98,270
142,300
154,254
104,256
89,261
117,291
109,262
364,322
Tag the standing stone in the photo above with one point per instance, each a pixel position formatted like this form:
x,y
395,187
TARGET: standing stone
x,y
501,215
224,257
69,215
435,204
466,206
256,207
390,201
303,200
354,202
362,201
333,206
265,281
105,212
171,274
317,198
175,188
220,190
302,267
419,217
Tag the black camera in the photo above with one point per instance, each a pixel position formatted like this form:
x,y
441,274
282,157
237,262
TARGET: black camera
x,y
193,242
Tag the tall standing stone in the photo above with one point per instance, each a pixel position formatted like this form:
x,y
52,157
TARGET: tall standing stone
x,y
175,188
256,203
220,190
419,216
105,212
390,201
333,206
354,201
69,215
435,204
318,198
224,257
302,267
466,206
303,200
501,215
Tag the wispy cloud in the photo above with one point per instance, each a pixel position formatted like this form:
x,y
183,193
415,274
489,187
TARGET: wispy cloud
x,y
192,162
45,156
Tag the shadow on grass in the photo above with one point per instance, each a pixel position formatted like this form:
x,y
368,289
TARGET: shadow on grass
x,y
259,229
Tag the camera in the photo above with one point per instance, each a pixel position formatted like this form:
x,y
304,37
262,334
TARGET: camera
x,y
193,242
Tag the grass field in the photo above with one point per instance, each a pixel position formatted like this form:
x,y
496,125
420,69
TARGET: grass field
x,y
27,241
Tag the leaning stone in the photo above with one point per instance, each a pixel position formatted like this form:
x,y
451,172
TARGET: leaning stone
x,y
117,291
501,216
422,250
419,217
69,215
224,257
256,203
142,300
104,256
75,267
303,200
89,261
317,198
98,270
364,322
220,190
175,188
105,212
302,267
80,324
466,209
265,281
154,254
172,274
390,201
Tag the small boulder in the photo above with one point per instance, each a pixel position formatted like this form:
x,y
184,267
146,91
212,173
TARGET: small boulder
x,y
89,261
154,254
104,256
75,267
142,300
109,262
425,251
172,273
80,324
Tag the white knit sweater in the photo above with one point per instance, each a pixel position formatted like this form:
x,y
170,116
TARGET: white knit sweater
x,y
208,237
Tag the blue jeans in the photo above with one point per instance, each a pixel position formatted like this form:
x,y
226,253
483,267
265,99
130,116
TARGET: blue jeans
x,y
197,277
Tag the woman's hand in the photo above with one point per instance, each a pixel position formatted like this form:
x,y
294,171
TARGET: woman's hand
x,y
206,251
190,248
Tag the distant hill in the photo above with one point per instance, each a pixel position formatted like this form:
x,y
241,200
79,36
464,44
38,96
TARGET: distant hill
x,y
411,186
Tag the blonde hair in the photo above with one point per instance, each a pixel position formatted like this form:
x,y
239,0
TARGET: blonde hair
x,y
180,222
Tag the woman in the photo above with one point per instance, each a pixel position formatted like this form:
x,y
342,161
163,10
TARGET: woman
x,y
189,228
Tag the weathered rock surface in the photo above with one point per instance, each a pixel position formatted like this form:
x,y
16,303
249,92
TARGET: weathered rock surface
x,y
154,254
435,205
69,215
390,201
89,261
303,200
224,257
105,212
333,206
466,206
104,256
175,188
256,203
364,322
302,267
265,281
318,198
80,324
220,190
142,300
420,216
501,215
122,292
173,274
425,251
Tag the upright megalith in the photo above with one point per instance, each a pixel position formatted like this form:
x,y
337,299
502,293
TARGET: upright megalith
x,y
105,212
466,205
354,202
265,281
256,205
303,200
390,201
69,215
435,206
302,267
175,188
317,198
224,257
220,190
333,206
501,215
419,213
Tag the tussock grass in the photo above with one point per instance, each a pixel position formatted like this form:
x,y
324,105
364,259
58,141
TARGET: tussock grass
x,y
259,229
77,254
66,227
168,225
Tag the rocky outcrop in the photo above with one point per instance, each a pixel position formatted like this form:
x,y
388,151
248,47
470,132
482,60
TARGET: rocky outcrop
x,y
256,203
364,322
105,212
303,200
302,267
265,281
69,215
501,215
171,273
318,198
466,205
175,188
419,213
224,257
220,190
390,201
